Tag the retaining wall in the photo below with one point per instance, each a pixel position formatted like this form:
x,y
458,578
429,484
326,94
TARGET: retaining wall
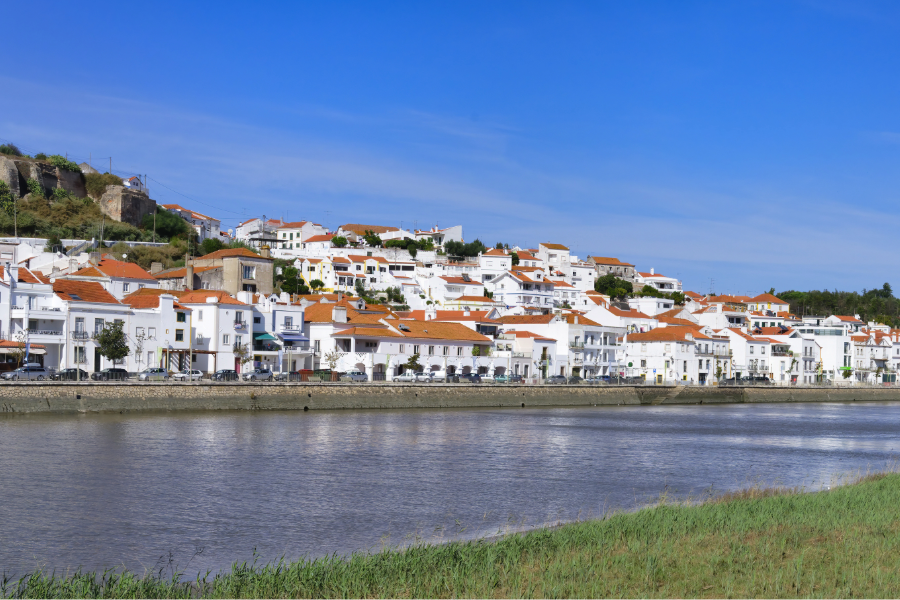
x,y
127,397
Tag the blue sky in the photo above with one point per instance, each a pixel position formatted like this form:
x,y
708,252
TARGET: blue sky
x,y
755,144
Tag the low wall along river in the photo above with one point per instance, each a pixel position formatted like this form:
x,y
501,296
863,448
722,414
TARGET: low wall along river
x,y
126,397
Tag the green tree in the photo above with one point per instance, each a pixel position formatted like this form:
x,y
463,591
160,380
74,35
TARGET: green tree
x,y
113,342
413,364
338,241
168,225
371,238
317,284
6,199
210,245
34,188
613,287
10,149
96,184
292,282
515,258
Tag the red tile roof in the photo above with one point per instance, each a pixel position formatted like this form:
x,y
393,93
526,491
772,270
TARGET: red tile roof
x,y
319,238
115,268
227,252
82,291
200,296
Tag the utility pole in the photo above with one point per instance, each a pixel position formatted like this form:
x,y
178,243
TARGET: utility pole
x,y
154,226
110,165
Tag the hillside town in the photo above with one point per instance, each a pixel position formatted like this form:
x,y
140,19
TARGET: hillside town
x,y
382,300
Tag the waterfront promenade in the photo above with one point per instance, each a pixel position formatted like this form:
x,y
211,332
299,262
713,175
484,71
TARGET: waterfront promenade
x,y
49,397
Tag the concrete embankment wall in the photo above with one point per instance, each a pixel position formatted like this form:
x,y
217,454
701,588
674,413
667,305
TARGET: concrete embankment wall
x,y
128,397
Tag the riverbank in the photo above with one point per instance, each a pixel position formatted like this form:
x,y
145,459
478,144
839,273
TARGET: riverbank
x,y
72,397
771,543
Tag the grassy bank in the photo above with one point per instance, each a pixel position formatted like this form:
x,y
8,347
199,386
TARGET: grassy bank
x,y
839,543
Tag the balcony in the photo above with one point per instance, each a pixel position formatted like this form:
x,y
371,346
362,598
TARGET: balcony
x,y
521,355
266,347
297,329
576,345
782,353
81,335
43,332
240,325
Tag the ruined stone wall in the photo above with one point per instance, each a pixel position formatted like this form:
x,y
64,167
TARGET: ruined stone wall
x,y
125,205
16,174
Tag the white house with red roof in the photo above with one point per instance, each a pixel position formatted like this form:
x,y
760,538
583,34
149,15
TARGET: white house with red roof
x,y
443,289
667,355
119,278
604,265
292,235
527,354
768,302
634,321
494,263
258,232
135,184
523,288
657,281
440,236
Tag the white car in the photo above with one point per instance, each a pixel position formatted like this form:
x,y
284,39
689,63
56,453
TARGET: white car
x,y
188,375
408,377
258,375
425,377
355,376
439,376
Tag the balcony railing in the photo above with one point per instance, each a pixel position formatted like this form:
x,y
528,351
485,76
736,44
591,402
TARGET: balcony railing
x,y
290,329
576,345
521,355
782,353
81,335
43,332
240,324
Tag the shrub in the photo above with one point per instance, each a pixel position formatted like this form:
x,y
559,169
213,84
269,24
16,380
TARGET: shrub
x,y
60,162
35,189
96,183
40,156
339,241
60,194
10,149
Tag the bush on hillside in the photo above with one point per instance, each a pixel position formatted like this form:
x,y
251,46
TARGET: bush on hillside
x,y
210,245
168,225
96,183
144,256
61,162
10,149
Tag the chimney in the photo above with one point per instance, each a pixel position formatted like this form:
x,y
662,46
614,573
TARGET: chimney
x,y
155,268
576,319
188,275
339,314
94,258
264,251
73,265
466,312
652,272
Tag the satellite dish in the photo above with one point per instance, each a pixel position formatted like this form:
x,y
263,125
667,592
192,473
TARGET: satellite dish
x,y
231,232
124,256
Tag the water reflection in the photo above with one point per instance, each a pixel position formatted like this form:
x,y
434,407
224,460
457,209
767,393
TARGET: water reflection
x,y
122,490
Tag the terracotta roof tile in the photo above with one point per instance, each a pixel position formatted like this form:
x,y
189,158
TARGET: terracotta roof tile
x,y
200,296
82,291
228,252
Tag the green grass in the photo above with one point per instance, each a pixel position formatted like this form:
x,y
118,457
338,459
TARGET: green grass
x,y
840,543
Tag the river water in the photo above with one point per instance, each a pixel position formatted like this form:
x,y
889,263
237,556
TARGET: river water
x,y
152,490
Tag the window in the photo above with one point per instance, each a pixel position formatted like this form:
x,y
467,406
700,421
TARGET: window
x,y
762,349
248,272
32,324
446,350
238,316
289,321
225,339
80,355
668,348
237,341
99,324
685,366
359,267
430,350
138,332
257,320
79,324
199,315
125,287
751,349
415,349
151,333
179,335
150,356
402,348
643,347
459,350
644,363
181,318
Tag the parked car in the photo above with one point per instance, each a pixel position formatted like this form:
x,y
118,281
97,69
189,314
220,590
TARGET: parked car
x,y
556,380
225,375
758,381
154,374
29,372
407,377
110,374
188,375
424,376
487,378
575,379
595,380
71,374
470,378
259,375
439,376
287,376
355,376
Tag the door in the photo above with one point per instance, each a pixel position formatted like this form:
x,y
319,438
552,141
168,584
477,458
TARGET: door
x,y
96,359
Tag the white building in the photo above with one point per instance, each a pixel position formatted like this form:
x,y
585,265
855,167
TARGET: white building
x,y
205,226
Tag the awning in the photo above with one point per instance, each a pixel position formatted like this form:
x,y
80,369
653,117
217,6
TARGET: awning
x,y
265,336
294,337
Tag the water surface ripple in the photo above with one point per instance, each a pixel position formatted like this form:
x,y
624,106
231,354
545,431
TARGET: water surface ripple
x,y
101,491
